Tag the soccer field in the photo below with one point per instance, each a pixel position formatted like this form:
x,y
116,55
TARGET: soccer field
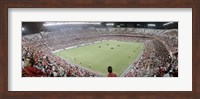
x,y
97,57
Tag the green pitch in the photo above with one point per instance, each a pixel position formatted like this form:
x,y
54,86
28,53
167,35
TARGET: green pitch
x,y
97,57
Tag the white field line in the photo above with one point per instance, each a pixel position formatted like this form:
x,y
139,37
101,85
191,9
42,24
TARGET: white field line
x,y
82,67
131,64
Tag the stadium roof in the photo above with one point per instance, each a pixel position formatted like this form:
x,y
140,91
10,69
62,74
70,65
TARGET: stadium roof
x,y
36,27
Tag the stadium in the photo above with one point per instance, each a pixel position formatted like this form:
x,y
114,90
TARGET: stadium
x,y
99,49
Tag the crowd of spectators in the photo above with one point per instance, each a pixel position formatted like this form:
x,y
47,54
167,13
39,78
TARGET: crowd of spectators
x,y
159,58
49,64
170,40
155,61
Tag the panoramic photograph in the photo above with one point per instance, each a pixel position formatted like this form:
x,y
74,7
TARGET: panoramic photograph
x,y
99,49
